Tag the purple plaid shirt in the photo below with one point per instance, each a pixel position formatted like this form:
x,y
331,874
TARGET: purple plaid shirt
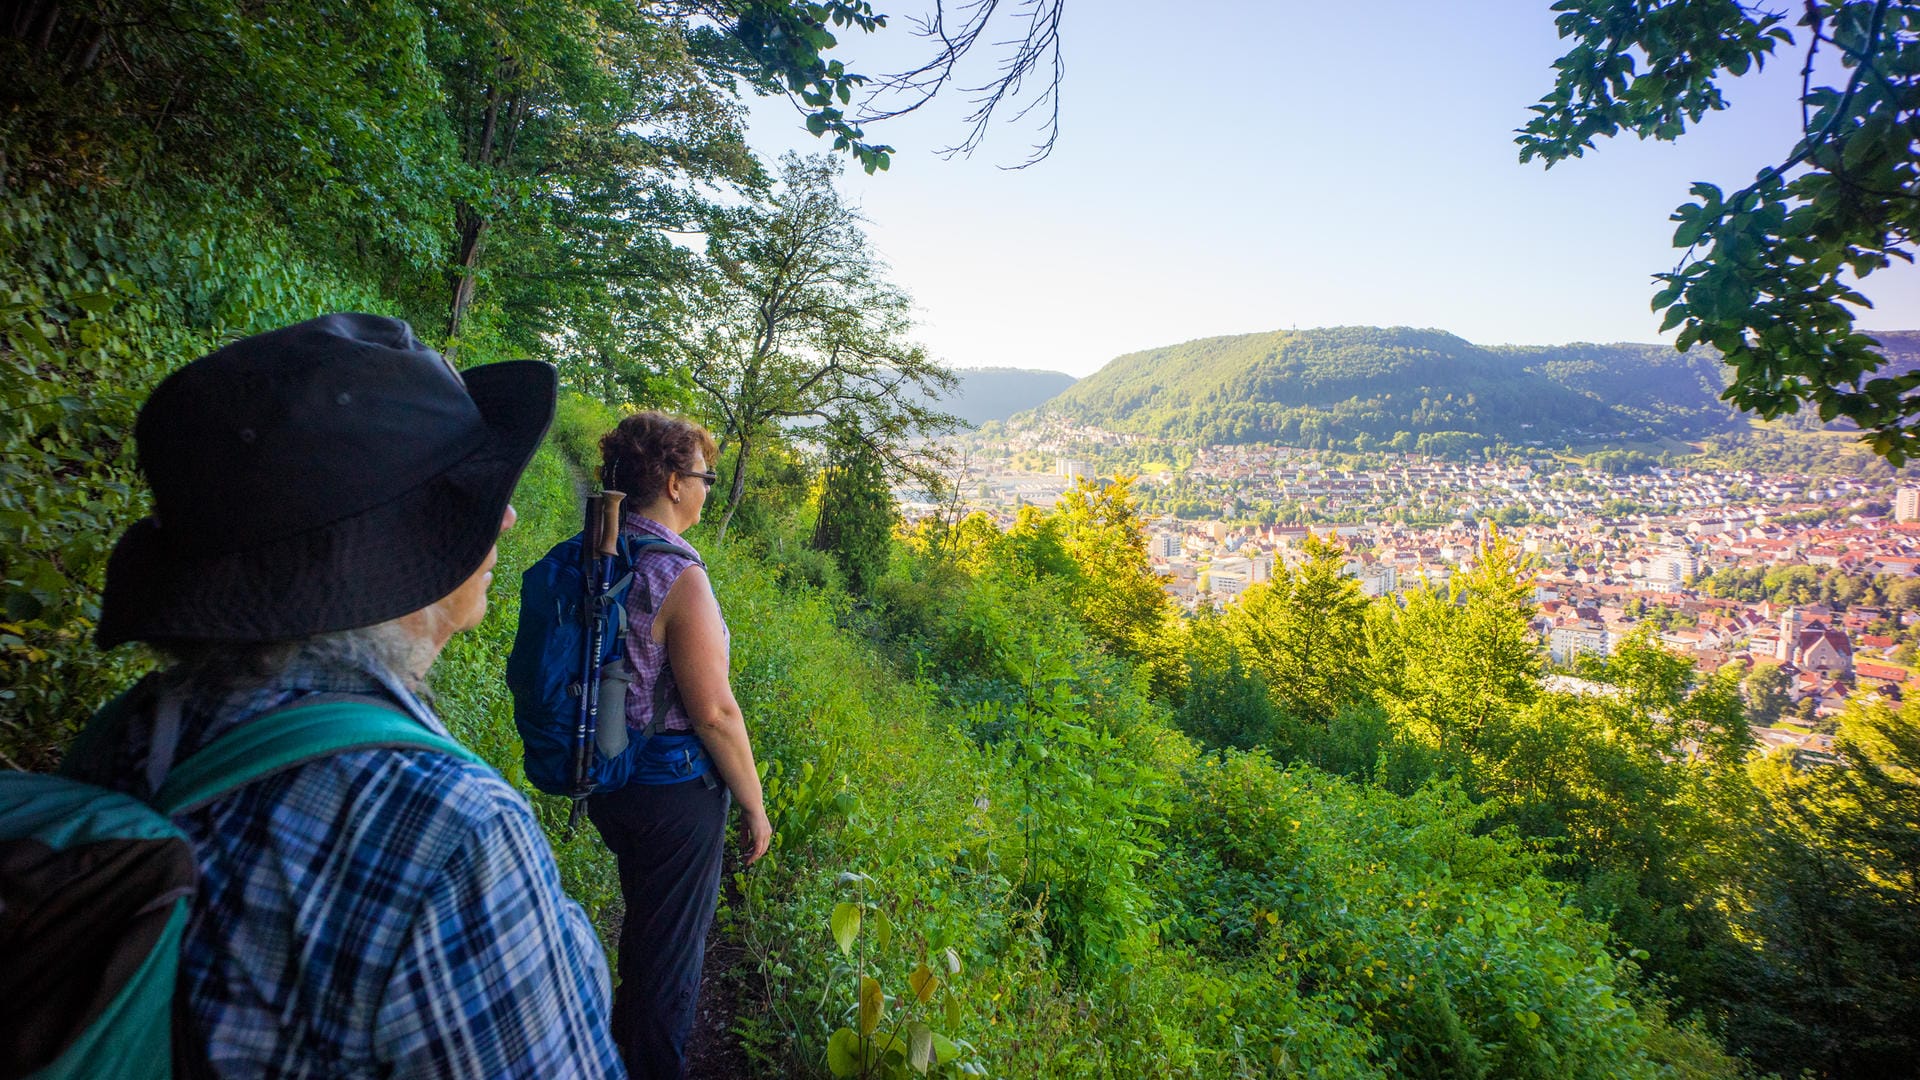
x,y
653,574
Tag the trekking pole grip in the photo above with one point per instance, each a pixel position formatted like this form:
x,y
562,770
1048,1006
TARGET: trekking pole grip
x,y
609,537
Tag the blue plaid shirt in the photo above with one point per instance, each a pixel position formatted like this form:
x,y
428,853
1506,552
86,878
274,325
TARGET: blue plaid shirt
x,y
376,913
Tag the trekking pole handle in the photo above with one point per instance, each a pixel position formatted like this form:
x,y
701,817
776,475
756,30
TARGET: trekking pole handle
x,y
590,535
609,538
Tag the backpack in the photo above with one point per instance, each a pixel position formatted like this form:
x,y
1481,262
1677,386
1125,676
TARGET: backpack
x,y
543,672
96,887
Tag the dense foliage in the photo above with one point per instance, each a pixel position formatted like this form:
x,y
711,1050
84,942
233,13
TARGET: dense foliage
x,y
1029,820
1773,273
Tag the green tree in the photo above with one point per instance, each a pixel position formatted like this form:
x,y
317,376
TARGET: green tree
x,y
1767,697
1225,702
1641,792
1770,275
1116,594
856,511
1455,664
795,321
1304,632
1831,902
1906,595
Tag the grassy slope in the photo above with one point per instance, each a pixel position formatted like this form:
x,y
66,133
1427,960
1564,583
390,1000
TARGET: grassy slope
x,y
877,797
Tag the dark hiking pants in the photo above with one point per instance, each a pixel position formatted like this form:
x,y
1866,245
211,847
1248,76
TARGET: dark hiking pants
x,y
668,839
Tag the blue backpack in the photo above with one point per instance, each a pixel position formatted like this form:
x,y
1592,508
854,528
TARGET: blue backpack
x,y
543,672
96,887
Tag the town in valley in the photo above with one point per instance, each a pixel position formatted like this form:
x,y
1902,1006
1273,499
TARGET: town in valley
x,y
1811,581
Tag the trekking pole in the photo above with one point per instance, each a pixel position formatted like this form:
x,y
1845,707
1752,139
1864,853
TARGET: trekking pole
x,y
599,544
589,659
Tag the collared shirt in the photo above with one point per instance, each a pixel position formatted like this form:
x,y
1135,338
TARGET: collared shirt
x,y
374,913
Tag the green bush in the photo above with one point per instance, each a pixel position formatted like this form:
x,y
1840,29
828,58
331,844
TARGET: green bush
x,y
102,299
1393,920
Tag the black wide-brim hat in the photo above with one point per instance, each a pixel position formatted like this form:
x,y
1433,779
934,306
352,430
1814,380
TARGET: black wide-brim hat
x,y
329,475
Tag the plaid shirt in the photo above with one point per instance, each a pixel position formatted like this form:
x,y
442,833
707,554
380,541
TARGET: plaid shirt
x,y
376,913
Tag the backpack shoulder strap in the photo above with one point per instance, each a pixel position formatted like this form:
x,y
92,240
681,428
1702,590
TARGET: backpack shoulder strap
x,y
296,735
83,757
641,543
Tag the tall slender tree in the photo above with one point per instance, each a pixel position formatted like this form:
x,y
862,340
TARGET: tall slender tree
x,y
795,324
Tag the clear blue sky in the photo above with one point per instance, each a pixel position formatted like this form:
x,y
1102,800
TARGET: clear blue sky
x,y
1230,167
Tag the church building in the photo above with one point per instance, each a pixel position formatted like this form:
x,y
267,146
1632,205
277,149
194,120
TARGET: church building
x,y
1813,646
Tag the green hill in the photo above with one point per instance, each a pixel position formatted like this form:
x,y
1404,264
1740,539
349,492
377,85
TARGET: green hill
x,y
995,393
1328,387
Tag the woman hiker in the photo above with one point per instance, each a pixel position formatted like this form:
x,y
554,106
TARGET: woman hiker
x,y
326,501
667,828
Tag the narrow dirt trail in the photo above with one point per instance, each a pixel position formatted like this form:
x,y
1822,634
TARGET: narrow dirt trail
x,y
713,1050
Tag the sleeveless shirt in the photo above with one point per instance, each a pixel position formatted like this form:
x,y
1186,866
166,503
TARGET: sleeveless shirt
x,y
653,686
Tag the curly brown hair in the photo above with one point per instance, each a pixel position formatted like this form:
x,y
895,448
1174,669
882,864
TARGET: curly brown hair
x,y
646,449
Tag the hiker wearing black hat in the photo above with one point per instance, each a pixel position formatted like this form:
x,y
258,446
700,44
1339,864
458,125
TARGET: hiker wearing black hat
x,y
326,500
667,827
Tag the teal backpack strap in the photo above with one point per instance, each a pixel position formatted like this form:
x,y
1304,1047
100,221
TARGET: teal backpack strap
x,y
290,737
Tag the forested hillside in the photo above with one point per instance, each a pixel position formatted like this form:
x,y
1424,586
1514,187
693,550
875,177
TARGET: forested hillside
x,y
985,394
1029,821
1343,387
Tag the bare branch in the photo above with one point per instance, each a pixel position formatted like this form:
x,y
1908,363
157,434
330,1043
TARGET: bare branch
x,y
1034,49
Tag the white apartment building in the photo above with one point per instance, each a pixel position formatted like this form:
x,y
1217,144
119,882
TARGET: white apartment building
x,y
1671,566
1568,642
1379,579
1906,505
1225,584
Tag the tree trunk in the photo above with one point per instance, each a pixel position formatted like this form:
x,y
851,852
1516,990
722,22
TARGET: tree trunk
x,y
733,492
466,258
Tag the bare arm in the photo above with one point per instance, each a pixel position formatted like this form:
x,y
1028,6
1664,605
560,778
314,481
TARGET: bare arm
x,y
696,640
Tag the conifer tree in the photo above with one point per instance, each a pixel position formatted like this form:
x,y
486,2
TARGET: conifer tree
x,y
1830,904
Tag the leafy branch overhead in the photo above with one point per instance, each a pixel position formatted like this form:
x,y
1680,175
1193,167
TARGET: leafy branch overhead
x,y
1771,273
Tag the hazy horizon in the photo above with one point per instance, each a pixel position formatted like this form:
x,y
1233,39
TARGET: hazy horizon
x,y
1276,167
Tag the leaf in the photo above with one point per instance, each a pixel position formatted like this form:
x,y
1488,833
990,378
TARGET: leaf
x,y
94,303
954,1010
882,929
924,983
843,1053
873,1004
919,1046
945,1049
846,926
953,962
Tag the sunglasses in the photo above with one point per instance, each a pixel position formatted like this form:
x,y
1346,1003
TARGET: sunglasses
x,y
710,477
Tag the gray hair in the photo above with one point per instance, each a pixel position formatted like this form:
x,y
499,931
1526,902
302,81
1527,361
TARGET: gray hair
x,y
385,647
